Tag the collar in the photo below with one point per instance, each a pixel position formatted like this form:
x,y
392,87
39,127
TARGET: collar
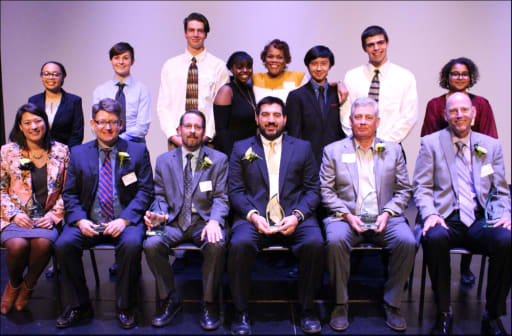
x,y
199,57
465,140
128,81
184,152
383,69
316,85
266,142
357,146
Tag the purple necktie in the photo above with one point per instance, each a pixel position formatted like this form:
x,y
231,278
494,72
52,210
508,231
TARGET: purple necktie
x,y
106,194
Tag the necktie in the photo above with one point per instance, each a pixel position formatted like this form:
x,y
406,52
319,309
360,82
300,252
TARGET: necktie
x,y
192,89
374,87
272,158
106,194
466,188
321,99
185,219
122,100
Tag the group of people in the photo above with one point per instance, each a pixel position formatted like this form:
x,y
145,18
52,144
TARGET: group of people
x,y
263,159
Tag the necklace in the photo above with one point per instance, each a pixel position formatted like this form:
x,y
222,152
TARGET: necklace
x,y
247,96
37,157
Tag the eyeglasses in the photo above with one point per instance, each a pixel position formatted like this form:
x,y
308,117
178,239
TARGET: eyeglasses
x,y
457,74
47,74
188,127
111,123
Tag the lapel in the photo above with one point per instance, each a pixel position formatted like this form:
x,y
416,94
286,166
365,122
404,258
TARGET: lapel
x,y
122,146
62,104
50,171
313,100
257,148
177,168
92,162
476,163
377,166
445,141
286,156
349,148
198,172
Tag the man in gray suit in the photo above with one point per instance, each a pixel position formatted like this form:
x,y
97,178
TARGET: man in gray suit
x,y
191,199
456,171
359,174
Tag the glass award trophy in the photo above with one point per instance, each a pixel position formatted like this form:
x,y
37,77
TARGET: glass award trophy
x,y
157,224
368,213
494,209
36,211
274,213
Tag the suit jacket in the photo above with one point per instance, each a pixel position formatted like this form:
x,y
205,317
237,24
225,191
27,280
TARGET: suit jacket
x,y
339,177
83,177
299,187
209,185
435,174
16,184
68,124
306,121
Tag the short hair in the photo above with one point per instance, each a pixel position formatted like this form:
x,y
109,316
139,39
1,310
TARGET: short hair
x,y
197,113
372,31
17,135
239,57
120,48
269,100
318,51
363,101
108,105
278,44
197,17
444,75
62,69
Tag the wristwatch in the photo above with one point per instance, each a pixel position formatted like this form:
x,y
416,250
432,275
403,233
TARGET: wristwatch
x,y
297,215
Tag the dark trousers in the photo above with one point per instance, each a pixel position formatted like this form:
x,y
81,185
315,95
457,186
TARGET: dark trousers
x,y
492,242
128,249
306,243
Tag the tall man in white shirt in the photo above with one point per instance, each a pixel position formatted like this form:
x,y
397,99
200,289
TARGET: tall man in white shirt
x,y
196,71
393,87
133,96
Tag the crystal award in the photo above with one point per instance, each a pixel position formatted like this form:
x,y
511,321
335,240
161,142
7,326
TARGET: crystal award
x,y
367,211
274,212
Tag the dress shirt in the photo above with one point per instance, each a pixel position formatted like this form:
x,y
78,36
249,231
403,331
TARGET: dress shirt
x,y
193,164
398,99
273,176
138,105
173,87
366,178
316,86
51,110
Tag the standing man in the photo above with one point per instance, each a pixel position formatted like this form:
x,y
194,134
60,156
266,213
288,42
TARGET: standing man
x,y
133,96
456,171
393,87
191,200
109,186
263,166
190,81
359,173
313,109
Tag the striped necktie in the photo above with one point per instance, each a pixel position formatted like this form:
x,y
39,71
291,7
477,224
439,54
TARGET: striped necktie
x,y
106,191
466,188
185,217
192,87
374,87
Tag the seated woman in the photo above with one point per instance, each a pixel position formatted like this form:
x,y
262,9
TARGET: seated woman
x,y
234,107
32,174
64,110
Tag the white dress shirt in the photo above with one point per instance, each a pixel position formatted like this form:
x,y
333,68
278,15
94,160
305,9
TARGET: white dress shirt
x,y
273,163
212,74
398,99
366,178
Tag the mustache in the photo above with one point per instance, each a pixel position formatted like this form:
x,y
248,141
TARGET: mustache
x,y
271,124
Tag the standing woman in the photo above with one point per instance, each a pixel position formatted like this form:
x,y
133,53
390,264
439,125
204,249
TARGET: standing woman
x,y
234,107
32,174
64,110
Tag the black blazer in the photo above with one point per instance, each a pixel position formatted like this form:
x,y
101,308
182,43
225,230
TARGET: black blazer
x,y
68,125
305,121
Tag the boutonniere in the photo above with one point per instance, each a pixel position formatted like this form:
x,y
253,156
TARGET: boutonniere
x,y
250,155
479,150
122,157
205,162
25,164
380,147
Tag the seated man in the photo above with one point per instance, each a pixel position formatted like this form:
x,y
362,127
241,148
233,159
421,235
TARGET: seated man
x,y
263,166
455,172
191,200
109,185
360,175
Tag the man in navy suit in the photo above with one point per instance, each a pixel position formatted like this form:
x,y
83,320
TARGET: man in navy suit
x,y
109,186
313,109
261,167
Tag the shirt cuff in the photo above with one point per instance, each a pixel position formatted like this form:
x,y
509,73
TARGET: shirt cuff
x,y
390,212
248,217
299,212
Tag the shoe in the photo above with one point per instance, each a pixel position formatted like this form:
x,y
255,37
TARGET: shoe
x,y
339,317
492,326
170,308
394,319
443,324
23,297
50,273
310,323
467,278
210,319
112,270
8,297
73,316
126,319
241,324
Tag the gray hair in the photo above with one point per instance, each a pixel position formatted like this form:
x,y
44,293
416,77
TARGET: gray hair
x,y
363,101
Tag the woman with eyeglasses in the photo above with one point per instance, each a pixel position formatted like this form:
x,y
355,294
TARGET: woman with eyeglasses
x,y
32,175
458,75
64,110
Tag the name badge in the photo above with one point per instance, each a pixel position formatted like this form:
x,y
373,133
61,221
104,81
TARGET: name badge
x,y
288,85
486,170
348,158
205,186
129,179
